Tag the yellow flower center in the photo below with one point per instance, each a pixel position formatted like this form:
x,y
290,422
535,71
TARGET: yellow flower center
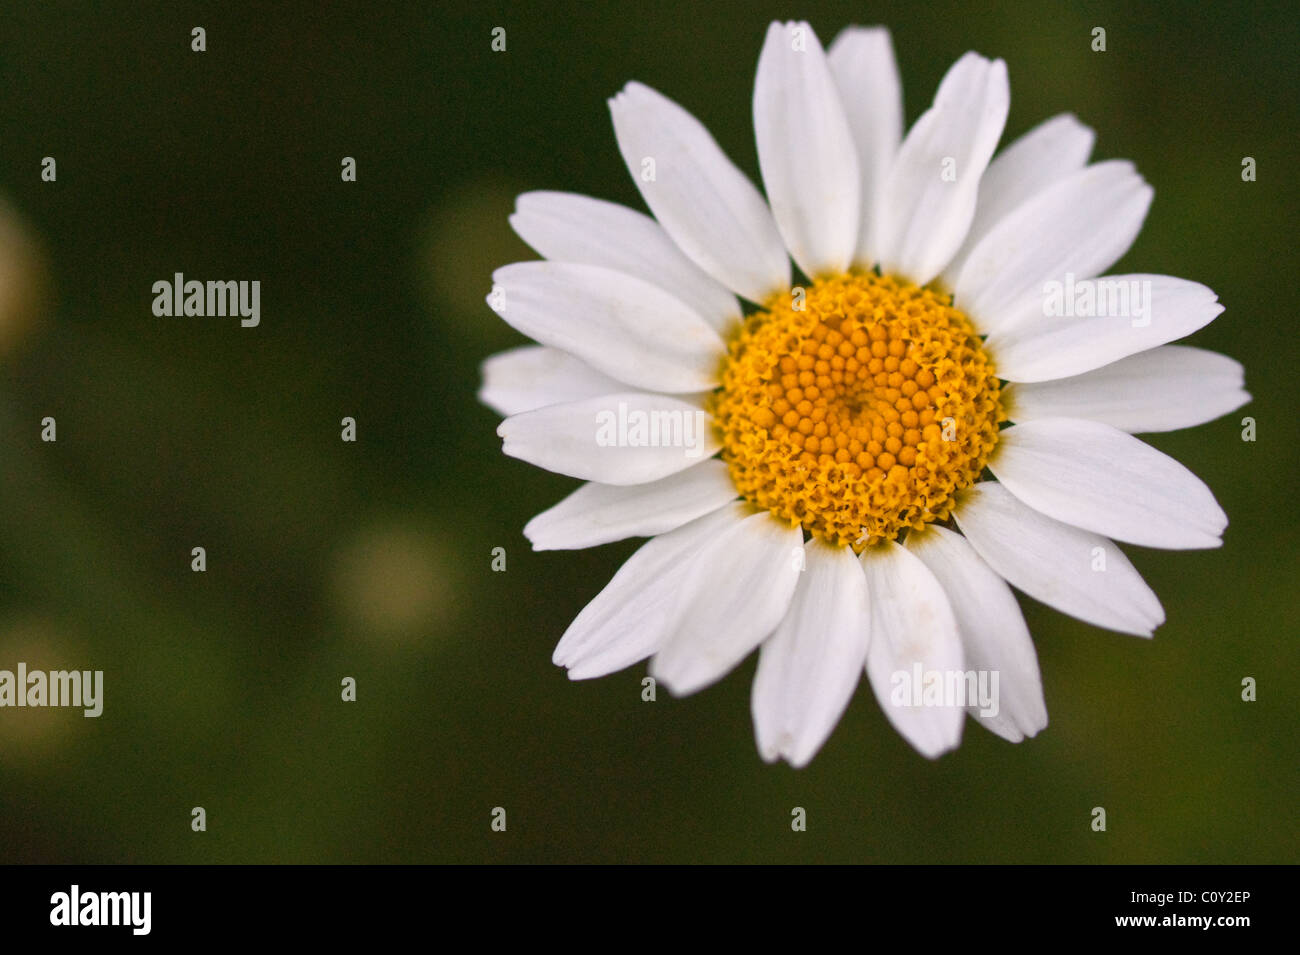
x,y
857,407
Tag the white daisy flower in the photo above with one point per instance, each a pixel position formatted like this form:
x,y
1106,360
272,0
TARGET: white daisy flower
x,y
943,408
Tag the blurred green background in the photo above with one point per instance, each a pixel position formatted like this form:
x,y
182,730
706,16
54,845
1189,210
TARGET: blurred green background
x,y
372,560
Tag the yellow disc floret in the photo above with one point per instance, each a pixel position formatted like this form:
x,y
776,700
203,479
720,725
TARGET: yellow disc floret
x,y
857,407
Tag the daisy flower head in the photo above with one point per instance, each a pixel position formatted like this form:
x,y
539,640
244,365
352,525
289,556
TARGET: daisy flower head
x,y
850,473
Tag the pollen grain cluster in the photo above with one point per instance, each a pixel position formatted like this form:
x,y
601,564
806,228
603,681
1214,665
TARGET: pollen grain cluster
x,y
857,407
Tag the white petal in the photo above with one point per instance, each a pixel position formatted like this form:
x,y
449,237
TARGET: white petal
x,y
1099,478
927,213
1077,572
866,75
912,625
1047,153
806,151
620,325
808,669
1078,227
599,513
1139,312
735,593
636,612
993,633
565,227
713,213
534,376
626,438
1162,389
